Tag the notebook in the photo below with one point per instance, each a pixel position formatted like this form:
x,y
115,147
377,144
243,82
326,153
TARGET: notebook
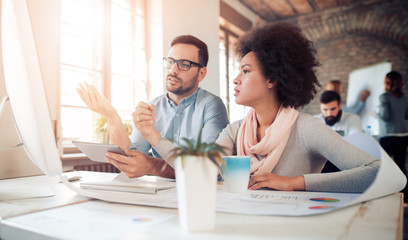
x,y
145,184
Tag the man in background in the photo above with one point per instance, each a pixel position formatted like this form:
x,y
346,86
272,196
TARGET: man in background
x,y
335,85
344,123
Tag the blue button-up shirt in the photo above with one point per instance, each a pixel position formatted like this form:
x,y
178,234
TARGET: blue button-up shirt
x,y
176,122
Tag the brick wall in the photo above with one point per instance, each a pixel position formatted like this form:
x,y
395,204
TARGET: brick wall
x,y
341,56
357,36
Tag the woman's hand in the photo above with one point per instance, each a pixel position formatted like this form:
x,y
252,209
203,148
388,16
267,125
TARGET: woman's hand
x,y
277,182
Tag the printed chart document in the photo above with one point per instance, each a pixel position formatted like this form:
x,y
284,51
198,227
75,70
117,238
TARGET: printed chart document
x,y
283,203
88,220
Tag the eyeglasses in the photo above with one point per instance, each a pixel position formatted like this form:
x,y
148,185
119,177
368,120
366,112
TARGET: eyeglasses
x,y
182,64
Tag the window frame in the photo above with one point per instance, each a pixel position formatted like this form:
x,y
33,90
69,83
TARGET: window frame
x,y
106,59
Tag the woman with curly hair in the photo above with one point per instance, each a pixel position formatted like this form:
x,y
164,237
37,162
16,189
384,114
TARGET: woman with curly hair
x,y
288,149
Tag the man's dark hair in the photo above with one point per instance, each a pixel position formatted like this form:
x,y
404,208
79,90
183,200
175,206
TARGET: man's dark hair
x,y
330,96
202,47
287,57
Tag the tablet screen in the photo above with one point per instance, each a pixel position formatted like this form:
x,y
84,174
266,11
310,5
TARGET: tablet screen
x,y
96,151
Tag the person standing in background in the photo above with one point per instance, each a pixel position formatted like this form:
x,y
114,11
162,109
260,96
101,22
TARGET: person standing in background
x,y
335,85
393,121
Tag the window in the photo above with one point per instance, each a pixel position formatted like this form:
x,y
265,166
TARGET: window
x,y
228,71
102,43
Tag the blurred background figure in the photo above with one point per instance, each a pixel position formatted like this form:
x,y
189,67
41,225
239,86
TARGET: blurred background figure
x,y
335,85
344,123
332,114
393,120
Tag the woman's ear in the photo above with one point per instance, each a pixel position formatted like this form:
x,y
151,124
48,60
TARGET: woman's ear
x,y
272,84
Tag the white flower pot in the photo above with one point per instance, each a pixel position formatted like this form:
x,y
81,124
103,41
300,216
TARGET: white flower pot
x,y
196,191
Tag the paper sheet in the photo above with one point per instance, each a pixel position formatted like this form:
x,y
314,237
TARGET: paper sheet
x,y
265,202
389,180
122,178
91,220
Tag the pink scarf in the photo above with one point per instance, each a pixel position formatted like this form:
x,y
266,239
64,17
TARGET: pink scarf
x,y
271,145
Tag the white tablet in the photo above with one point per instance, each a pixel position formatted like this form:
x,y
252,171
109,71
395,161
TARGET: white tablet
x,y
96,151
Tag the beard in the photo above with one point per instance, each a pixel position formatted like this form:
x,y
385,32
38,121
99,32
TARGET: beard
x,y
182,88
331,120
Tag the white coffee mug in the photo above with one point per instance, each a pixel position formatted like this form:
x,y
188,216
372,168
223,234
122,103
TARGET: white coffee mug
x,y
236,171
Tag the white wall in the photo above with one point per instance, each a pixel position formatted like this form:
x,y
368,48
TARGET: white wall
x,y
200,19
154,47
372,79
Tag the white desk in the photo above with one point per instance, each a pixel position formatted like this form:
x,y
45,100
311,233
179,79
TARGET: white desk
x,y
377,219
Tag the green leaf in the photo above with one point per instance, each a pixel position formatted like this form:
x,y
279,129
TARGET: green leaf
x,y
198,142
212,151
189,144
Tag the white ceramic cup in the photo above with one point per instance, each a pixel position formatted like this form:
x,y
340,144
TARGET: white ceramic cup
x,y
236,171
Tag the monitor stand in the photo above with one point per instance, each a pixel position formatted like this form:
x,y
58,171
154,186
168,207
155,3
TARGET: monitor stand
x,y
16,193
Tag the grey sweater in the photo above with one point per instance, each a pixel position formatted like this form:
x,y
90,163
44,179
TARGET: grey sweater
x,y
393,115
310,145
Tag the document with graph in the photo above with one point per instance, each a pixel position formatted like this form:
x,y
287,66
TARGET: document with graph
x,y
269,202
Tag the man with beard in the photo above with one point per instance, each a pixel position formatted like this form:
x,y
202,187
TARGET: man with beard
x,y
178,114
344,123
335,85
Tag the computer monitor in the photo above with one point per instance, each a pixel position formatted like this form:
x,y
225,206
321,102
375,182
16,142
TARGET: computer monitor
x,y
25,87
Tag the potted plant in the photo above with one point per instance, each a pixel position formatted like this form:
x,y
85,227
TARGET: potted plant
x,y
101,128
196,166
